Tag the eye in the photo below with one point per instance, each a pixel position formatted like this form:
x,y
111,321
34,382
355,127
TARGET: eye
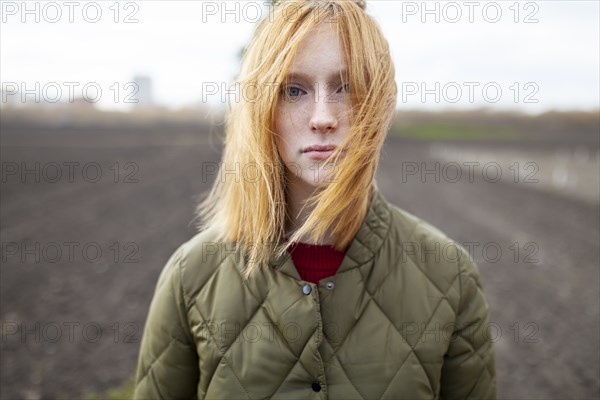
x,y
292,92
345,88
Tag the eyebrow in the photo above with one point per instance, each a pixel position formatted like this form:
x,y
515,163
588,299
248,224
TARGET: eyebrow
x,y
301,75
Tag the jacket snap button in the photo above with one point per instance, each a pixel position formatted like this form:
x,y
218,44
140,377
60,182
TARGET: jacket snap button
x,y
330,285
306,289
316,386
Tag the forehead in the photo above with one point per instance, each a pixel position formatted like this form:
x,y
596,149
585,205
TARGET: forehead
x,y
319,54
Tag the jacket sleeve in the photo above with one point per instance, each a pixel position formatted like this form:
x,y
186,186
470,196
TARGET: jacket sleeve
x,y
468,371
167,363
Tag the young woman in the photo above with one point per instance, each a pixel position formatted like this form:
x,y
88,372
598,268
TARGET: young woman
x,y
304,282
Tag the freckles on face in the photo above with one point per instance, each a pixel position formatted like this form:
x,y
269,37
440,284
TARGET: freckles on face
x,y
288,126
313,105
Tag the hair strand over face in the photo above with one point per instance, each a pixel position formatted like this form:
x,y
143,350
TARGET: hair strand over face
x,y
247,202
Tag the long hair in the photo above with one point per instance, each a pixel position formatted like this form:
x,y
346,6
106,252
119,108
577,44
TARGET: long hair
x,y
247,202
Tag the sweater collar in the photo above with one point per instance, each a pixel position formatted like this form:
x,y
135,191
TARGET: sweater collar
x,y
363,247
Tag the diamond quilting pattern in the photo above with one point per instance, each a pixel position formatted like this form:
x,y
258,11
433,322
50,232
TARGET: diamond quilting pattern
x,y
377,334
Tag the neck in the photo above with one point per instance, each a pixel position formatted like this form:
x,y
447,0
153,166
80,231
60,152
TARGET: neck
x,y
297,194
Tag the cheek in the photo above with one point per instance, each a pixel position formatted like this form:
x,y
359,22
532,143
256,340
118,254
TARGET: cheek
x,y
281,136
284,147
283,125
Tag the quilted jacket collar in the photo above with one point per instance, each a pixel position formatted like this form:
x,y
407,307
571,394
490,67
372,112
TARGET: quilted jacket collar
x,y
364,246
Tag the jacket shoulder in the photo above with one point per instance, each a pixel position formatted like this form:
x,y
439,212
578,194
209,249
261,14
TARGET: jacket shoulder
x,y
441,259
199,258
409,227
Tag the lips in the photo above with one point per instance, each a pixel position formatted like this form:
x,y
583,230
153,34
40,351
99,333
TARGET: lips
x,y
319,148
319,152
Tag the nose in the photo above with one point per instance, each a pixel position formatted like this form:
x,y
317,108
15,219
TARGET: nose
x,y
323,118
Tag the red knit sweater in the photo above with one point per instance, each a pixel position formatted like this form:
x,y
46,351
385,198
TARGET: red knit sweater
x,y
314,261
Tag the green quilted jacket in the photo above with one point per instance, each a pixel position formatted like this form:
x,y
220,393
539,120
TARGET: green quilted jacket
x,y
403,318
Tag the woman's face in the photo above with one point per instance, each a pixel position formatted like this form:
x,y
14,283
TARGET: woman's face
x,y
314,106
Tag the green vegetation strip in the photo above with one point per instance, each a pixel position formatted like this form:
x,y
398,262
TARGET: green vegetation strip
x,y
438,131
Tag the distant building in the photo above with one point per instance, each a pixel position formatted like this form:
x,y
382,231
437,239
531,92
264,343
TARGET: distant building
x,y
144,93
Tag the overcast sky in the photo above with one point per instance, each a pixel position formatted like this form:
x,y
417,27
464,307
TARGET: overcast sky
x,y
543,54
